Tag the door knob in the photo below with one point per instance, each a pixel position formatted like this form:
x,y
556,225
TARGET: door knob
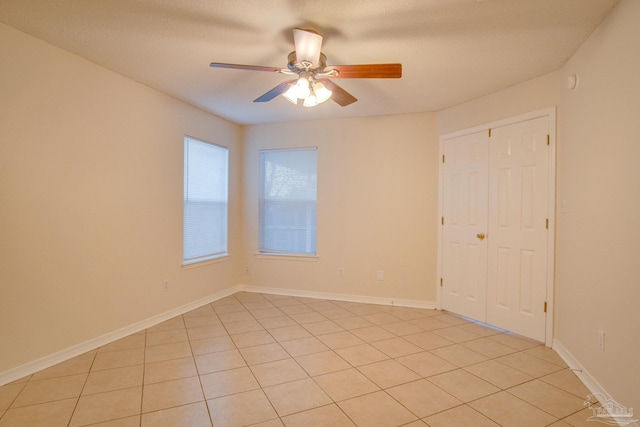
x,y
480,236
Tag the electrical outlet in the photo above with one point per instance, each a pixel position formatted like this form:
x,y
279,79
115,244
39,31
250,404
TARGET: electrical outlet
x,y
601,339
341,272
165,286
380,275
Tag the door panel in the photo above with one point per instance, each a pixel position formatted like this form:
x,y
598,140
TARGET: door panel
x,y
464,271
517,234
500,186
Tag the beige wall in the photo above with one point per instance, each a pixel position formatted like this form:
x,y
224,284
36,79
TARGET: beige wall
x,y
91,170
377,207
532,95
598,237
91,200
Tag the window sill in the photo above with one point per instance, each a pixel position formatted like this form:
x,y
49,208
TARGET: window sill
x,y
203,263
288,257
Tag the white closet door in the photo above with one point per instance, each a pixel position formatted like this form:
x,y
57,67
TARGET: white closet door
x,y
518,222
464,255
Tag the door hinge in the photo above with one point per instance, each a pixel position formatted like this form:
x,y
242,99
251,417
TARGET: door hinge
x,y
442,220
443,158
441,282
545,306
547,225
548,139
489,132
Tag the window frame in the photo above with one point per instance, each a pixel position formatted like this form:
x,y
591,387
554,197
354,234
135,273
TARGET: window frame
x,y
223,251
311,210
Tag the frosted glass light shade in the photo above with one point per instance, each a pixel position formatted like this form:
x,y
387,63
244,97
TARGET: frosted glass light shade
x,y
290,95
311,92
300,90
310,101
321,92
308,46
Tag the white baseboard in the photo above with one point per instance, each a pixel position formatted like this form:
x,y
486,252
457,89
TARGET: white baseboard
x,y
589,381
341,297
78,349
595,388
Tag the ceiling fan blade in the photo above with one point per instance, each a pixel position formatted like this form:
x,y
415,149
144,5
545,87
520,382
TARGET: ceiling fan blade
x,y
245,67
366,71
339,95
278,90
308,44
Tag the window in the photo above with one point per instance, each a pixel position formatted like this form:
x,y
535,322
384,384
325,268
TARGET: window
x,y
287,205
205,200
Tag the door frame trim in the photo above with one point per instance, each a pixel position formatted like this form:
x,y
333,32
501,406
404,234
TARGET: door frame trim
x,y
550,113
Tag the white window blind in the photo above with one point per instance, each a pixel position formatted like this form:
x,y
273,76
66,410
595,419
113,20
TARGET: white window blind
x,y
205,200
287,205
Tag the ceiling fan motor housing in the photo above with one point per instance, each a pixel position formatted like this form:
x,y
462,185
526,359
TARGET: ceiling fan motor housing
x,y
299,66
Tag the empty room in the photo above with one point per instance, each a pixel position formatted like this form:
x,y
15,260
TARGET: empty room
x,y
336,213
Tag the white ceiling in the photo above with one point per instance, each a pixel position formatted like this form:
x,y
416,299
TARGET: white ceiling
x,y
451,50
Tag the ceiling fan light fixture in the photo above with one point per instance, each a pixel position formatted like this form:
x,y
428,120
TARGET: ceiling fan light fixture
x,y
301,89
310,91
289,96
321,92
310,101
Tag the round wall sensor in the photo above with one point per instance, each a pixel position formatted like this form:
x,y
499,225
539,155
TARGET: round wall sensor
x,y
572,82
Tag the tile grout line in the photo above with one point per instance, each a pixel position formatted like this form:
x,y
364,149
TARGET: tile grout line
x,y
461,367
193,356
333,402
313,309
144,370
16,397
249,367
75,407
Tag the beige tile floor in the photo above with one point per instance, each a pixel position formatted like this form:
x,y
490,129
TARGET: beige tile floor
x,y
269,360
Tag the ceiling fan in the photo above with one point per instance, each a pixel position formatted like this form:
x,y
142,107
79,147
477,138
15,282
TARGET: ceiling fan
x,y
312,84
